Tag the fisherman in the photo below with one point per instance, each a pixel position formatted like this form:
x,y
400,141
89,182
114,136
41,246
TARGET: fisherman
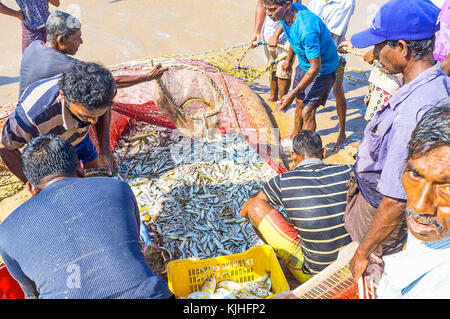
x,y
46,59
318,59
277,45
64,105
422,270
314,196
336,15
32,14
403,35
75,238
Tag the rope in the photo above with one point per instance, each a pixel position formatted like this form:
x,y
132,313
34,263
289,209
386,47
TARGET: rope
x,y
180,108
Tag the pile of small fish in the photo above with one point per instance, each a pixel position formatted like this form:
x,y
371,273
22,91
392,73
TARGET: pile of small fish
x,y
228,289
190,191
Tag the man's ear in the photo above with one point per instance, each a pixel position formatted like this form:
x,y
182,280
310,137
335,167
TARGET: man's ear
x,y
31,189
323,153
80,169
59,41
403,47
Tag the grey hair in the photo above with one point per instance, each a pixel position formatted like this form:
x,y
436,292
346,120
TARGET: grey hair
x,y
61,23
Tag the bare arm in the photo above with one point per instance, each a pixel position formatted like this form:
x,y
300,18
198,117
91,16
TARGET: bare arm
x,y
260,15
54,2
13,160
123,81
10,12
388,216
255,208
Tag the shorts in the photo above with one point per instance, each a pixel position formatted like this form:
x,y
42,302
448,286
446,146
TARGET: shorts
x,y
272,54
86,150
316,93
283,238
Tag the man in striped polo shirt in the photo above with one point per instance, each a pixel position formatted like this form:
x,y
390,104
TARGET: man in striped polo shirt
x,y
314,196
65,106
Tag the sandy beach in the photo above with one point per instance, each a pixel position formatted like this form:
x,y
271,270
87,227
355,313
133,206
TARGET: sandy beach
x,y
122,30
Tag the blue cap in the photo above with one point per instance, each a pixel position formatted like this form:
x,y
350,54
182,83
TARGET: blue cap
x,y
400,20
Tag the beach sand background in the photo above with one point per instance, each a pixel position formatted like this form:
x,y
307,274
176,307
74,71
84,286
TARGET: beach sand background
x,y
116,31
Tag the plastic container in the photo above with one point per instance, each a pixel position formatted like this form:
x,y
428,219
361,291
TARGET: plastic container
x,y
9,287
186,276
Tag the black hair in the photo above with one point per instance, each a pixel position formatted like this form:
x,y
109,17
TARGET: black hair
x,y
418,48
88,84
307,143
280,2
46,157
432,131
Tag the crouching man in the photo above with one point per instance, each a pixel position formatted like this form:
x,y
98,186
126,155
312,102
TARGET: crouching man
x,y
76,238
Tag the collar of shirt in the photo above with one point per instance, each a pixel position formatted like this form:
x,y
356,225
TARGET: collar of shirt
x,y
69,120
309,161
407,89
419,258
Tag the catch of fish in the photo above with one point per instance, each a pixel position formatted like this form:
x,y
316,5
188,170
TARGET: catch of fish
x,y
228,289
190,191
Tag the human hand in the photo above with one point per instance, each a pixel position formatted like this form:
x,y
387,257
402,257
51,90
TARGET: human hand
x,y
342,48
358,265
156,72
255,39
20,15
285,101
341,140
108,162
273,41
369,57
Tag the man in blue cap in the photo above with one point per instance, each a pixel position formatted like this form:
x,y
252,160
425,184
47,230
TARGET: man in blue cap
x,y
403,35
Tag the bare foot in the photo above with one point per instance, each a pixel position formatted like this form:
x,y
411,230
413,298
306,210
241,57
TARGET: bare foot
x,y
272,99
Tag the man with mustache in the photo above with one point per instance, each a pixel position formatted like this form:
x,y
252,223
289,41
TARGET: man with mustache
x,y
403,35
422,270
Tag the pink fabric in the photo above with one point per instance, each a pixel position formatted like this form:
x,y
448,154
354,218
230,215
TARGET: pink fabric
x,y
442,46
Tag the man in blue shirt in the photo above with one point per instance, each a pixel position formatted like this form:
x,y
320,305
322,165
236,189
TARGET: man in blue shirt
x,y
76,238
33,14
317,55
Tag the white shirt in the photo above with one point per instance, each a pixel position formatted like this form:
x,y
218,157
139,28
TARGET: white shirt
x,y
269,29
421,271
335,14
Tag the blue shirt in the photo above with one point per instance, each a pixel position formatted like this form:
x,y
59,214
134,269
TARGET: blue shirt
x,y
383,150
310,38
79,239
35,12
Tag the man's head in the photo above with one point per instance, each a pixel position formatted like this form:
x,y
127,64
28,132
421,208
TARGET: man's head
x,y
46,158
426,178
89,90
402,32
64,32
276,9
307,144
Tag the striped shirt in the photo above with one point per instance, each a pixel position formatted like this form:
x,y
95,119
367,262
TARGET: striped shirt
x,y
314,196
41,110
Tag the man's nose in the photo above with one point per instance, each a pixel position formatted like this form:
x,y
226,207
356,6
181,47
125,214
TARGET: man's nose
x,y
424,202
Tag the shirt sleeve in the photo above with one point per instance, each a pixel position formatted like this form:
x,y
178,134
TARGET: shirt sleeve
x,y
16,133
28,286
272,190
311,43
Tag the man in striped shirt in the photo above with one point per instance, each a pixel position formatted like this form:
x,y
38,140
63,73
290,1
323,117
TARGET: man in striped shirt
x,y
314,197
65,106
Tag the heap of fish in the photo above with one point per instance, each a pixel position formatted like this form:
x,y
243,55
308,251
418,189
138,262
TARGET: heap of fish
x,y
190,191
228,289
